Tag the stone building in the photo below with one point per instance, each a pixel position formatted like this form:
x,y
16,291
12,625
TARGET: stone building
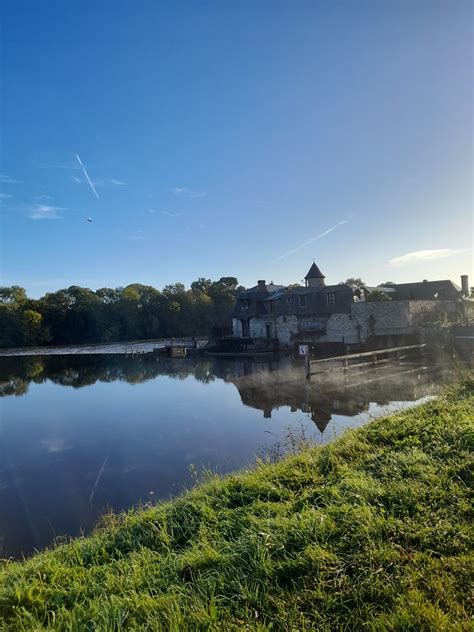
x,y
278,312
327,313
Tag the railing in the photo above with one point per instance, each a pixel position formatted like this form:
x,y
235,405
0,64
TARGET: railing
x,y
365,359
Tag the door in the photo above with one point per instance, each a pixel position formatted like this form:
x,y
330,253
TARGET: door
x,y
245,329
268,331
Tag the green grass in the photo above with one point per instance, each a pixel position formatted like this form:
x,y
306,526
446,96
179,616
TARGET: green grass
x,y
372,532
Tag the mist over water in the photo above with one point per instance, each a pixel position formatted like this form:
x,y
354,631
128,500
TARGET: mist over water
x,y
80,434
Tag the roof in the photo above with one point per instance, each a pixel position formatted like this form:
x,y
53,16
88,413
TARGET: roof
x,y
317,290
251,292
276,295
426,290
314,273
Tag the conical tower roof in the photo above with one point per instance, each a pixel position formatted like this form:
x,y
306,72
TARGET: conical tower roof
x,y
314,273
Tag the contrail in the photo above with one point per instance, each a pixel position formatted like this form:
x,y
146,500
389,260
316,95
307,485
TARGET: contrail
x,y
310,241
91,497
88,179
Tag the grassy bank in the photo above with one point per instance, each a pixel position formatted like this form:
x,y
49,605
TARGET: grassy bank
x,y
372,532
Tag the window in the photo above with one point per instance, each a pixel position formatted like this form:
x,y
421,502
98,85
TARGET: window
x,y
302,300
289,300
245,304
331,298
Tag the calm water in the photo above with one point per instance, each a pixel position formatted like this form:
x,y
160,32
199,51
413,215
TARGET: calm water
x,y
79,434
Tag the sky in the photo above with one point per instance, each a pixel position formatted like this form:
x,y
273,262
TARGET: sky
x,y
234,139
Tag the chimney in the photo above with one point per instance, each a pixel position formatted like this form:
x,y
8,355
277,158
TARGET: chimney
x,y
464,284
262,285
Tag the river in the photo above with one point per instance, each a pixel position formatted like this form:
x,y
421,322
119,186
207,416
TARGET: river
x,y
82,434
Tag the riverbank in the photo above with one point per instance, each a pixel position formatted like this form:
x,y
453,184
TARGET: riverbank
x,y
372,531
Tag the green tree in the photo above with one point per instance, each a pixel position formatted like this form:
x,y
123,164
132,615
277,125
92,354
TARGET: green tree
x,y
13,296
34,332
357,285
377,295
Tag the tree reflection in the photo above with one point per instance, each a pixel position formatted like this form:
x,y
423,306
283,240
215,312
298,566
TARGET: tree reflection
x,y
265,386
16,373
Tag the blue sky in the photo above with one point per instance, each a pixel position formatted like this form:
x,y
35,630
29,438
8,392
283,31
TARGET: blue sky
x,y
238,139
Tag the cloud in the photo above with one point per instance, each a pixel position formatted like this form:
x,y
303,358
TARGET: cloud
x,y
4,179
103,182
5,195
41,211
310,241
425,255
76,179
189,193
153,211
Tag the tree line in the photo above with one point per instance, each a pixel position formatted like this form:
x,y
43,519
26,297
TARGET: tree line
x,y
136,312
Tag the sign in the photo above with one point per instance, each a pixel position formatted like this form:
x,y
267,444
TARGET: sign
x,y
303,350
178,352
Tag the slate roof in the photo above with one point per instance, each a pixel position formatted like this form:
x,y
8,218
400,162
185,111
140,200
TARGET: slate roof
x,y
314,273
279,300
253,291
426,290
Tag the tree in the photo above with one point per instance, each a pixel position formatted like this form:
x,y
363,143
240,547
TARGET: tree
x,y
34,332
13,296
377,295
108,295
76,314
357,285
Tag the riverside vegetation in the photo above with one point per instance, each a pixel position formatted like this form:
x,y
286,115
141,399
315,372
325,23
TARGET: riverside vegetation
x,y
79,315
137,312
371,532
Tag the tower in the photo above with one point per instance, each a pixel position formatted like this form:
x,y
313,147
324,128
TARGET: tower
x,y
314,278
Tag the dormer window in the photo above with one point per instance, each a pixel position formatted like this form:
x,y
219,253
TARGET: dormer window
x,y
302,300
331,298
244,303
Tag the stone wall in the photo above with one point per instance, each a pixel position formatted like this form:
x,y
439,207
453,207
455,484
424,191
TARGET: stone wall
x,y
381,318
342,328
469,311
377,318
287,327
366,319
237,328
258,327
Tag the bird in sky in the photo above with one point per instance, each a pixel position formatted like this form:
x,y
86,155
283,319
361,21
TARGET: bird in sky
x,y
89,219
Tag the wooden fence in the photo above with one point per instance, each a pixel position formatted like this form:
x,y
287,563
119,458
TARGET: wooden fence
x,y
360,361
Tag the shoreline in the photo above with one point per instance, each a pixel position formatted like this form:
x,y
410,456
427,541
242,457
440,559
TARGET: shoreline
x,y
370,530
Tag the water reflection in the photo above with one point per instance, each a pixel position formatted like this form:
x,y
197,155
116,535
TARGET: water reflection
x,y
81,433
17,373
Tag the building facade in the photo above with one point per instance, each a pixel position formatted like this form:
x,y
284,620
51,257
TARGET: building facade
x,y
328,313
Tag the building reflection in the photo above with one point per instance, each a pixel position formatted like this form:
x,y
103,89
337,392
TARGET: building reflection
x,y
271,388
265,386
